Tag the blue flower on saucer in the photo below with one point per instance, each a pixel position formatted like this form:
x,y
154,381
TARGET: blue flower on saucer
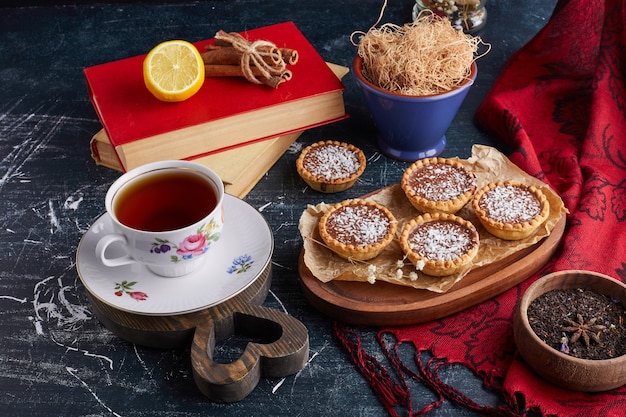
x,y
240,264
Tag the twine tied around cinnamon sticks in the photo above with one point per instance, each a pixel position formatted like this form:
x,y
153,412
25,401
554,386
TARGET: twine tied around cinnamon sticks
x,y
260,62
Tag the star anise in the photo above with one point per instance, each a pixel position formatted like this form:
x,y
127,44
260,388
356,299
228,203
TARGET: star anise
x,y
588,331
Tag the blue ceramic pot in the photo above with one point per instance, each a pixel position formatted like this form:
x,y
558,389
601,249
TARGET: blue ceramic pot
x,y
411,127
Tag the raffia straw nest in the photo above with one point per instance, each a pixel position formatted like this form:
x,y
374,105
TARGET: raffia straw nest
x,y
427,56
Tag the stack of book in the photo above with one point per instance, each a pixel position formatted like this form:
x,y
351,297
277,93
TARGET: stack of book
x,y
237,128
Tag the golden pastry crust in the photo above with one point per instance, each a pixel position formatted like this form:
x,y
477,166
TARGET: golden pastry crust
x,y
442,244
357,229
511,210
438,185
330,166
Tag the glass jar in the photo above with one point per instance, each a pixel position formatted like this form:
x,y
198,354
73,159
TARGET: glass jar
x,y
467,15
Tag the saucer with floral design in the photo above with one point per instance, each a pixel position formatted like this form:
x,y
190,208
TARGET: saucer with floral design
x,y
242,255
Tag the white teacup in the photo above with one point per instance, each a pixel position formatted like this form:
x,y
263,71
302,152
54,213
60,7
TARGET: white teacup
x,y
166,215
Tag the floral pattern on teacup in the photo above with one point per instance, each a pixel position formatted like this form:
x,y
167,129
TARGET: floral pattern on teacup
x,y
193,245
240,264
126,287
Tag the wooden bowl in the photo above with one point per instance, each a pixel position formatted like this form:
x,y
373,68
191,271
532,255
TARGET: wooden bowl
x,y
558,368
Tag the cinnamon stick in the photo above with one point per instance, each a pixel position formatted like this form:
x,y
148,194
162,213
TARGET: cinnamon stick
x,y
270,54
217,70
228,55
221,56
273,81
286,75
290,56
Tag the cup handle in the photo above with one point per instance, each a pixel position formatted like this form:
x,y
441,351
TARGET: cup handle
x,y
104,243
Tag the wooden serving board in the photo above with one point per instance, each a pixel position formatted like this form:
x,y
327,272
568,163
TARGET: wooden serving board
x,y
283,351
385,304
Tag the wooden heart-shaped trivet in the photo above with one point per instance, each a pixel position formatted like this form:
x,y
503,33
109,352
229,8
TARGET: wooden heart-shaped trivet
x,y
286,352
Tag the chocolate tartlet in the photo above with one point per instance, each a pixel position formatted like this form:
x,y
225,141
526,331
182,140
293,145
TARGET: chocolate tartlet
x,y
357,229
438,185
442,244
330,166
511,210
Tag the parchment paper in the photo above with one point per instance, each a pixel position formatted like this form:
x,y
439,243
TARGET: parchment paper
x,y
489,165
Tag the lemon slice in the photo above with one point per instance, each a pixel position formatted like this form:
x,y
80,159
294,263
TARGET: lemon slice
x,y
173,70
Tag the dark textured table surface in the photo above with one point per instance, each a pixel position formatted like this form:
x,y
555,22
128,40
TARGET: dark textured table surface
x,y
56,359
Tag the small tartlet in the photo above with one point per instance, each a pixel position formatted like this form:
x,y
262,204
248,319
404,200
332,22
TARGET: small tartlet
x,y
330,166
438,185
439,243
357,229
511,210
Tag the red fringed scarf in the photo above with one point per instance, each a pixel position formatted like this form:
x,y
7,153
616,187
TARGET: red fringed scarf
x,y
560,105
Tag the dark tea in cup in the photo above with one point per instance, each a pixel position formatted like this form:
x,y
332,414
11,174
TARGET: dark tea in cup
x,y
166,215
162,200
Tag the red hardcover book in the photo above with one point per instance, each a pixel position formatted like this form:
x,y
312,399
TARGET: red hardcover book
x,y
226,112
